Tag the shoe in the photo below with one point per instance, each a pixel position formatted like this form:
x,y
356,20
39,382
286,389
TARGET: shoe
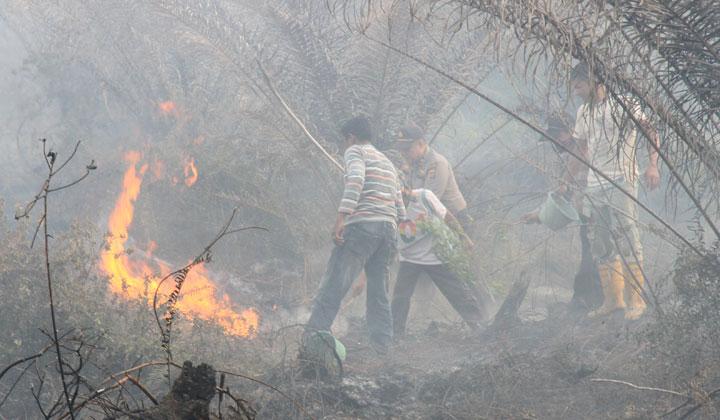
x,y
633,288
613,285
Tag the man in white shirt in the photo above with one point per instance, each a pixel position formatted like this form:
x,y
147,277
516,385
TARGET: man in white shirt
x,y
607,131
426,218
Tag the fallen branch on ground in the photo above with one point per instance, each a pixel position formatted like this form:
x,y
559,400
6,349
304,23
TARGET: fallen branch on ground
x,y
641,388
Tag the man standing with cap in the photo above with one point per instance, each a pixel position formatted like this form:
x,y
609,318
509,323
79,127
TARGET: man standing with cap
x,y
431,170
607,129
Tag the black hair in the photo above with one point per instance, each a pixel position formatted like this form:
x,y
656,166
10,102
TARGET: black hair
x,y
581,72
359,127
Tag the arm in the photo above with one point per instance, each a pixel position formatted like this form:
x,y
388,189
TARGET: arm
x,y
354,182
441,211
652,174
399,204
575,174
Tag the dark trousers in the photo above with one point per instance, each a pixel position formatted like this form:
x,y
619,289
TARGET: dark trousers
x,y
587,293
456,291
370,246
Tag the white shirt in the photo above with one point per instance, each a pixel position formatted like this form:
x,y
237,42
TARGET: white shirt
x,y
611,139
416,245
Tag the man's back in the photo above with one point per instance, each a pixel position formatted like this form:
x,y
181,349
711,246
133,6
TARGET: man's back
x,y
372,189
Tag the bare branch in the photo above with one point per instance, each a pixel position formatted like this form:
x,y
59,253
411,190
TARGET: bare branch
x,y
641,388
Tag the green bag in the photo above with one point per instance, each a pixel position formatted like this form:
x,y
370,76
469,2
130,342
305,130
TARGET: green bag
x,y
323,353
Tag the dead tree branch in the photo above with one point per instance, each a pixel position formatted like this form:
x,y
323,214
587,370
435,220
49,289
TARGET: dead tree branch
x,y
641,388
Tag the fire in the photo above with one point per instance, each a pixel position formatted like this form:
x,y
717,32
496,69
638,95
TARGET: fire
x,y
191,173
138,279
167,107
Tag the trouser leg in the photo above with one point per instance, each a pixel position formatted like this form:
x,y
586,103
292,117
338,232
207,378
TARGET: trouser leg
x,y
407,278
343,268
457,292
377,270
586,288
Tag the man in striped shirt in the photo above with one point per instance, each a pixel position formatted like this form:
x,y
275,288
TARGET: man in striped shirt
x,y
365,235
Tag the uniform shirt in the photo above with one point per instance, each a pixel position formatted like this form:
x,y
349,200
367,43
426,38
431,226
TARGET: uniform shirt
x,y
611,139
416,245
372,189
434,172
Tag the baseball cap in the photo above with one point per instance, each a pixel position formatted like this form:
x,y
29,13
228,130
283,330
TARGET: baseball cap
x,y
407,135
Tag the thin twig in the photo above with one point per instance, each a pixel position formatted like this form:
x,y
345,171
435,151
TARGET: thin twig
x,y
97,394
56,341
72,155
483,141
257,381
85,175
17,381
294,117
641,388
25,359
142,388
449,115
37,230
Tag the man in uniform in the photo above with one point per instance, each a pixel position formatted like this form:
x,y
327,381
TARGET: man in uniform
x,y
431,170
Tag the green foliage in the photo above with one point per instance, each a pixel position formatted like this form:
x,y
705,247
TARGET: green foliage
x,y
448,247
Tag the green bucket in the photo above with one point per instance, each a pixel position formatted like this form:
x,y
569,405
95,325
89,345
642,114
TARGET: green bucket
x,y
324,352
556,212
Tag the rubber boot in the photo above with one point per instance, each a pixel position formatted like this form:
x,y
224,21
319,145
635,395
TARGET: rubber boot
x,y
633,287
613,284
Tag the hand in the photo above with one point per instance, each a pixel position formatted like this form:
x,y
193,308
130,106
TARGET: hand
x,y
339,229
652,177
532,217
467,242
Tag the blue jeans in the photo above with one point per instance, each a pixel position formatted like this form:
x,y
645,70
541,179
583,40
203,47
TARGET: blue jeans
x,y
370,246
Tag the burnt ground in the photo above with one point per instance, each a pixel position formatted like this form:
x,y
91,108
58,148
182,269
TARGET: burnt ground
x,y
537,369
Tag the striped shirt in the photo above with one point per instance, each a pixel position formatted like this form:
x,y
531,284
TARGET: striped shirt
x,y
372,188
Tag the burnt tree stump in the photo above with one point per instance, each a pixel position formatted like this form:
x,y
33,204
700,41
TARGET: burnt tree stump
x,y
190,396
507,315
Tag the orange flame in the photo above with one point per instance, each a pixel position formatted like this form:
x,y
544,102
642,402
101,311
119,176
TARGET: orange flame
x,y
136,279
167,107
191,173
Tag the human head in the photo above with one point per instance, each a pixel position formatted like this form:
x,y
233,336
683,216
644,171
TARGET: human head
x,y
581,82
356,130
411,143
